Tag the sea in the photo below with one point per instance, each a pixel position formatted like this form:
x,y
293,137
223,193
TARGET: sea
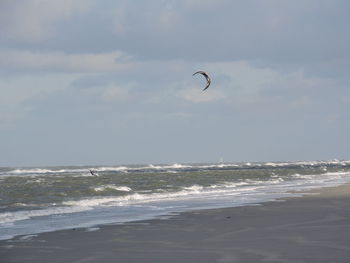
x,y
43,199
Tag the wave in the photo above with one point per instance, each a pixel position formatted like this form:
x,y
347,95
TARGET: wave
x,y
110,169
139,198
41,171
194,191
218,190
112,186
237,193
111,201
321,177
173,168
9,217
75,206
308,163
36,171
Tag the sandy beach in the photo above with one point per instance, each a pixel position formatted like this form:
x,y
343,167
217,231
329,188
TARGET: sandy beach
x,y
313,228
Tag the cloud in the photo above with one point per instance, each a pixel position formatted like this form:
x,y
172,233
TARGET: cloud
x,y
113,94
274,33
18,92
285,34
109,92
59,61
278,68
34,20
197,95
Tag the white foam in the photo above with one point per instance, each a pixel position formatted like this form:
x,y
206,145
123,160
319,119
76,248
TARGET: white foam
x,y
43,171
9,217
164,167
172,172
112,186
194,188
27,237
110,169
321,177
123,188
92,229
39,172
195,191
80,171
36,171
178,166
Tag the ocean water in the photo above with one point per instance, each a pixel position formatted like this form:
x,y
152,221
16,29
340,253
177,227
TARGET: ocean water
x,y
43,199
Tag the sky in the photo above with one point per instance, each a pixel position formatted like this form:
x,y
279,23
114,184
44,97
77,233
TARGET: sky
x,y
94,82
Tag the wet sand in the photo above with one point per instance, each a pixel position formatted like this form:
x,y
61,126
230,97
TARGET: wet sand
x,y
313,228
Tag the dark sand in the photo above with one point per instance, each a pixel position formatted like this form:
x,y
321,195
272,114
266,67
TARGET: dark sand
x,y
313,228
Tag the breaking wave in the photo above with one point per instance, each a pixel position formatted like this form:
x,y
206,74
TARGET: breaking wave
x,y
169,168
57,197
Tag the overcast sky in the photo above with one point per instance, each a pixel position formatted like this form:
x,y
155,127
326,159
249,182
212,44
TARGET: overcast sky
x,y
85,82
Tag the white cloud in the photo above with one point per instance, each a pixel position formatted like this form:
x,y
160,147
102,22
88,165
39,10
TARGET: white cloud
x,y
17,91
243,85
197,95
33,20
248,85
111,92
58,61
115,94
164,17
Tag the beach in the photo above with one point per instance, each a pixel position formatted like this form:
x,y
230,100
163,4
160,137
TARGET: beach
x,y
312,228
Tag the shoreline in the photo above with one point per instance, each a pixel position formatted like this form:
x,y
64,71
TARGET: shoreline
x,y
311,228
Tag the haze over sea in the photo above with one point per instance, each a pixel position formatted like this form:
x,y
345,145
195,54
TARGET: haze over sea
x,y
42,199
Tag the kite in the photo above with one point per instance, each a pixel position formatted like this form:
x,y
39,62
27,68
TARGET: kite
x,y
206,77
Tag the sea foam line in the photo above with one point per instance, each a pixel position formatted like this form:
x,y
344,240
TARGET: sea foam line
x,y
112,186
170,168
75,206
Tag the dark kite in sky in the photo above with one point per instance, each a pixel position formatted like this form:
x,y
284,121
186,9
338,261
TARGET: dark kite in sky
x,y
206,77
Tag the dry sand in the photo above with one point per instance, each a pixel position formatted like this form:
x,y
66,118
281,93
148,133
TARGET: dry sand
x,y
314,228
